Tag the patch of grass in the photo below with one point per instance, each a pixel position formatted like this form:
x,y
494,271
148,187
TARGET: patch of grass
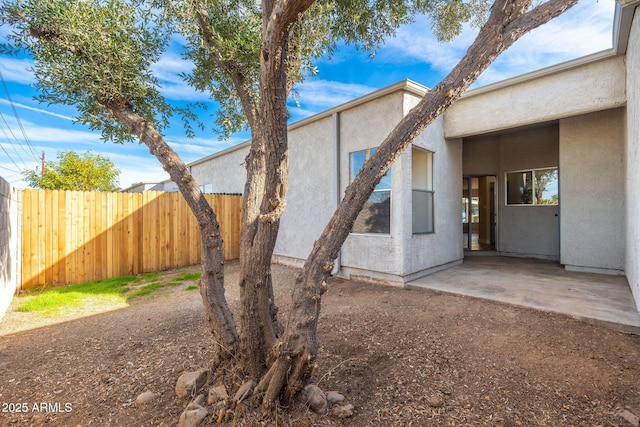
x,y
150,277
151,287
188,276
190,288
50,299
145,290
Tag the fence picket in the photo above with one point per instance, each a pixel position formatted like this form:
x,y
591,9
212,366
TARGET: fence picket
x,y
72,236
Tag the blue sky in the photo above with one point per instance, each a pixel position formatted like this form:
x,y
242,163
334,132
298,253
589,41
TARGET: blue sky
x,y
413,53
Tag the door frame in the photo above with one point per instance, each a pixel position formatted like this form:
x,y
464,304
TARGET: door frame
x,y
467,193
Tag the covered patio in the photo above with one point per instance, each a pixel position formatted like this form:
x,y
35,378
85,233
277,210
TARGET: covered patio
x,y
541,285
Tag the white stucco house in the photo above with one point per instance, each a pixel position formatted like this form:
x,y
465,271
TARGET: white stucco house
x,y
544,165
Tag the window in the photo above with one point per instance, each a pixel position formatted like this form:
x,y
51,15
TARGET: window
x,y
207,188
375,216
532,187
422,190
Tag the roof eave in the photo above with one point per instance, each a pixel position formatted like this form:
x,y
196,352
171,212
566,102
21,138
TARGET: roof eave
x,y
622,20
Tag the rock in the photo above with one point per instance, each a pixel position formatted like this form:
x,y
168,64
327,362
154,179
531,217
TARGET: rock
x,y
244,391
315,399
334,397
188,384
199,400
145,397
341,412
436,401
217,393
193,415
630,418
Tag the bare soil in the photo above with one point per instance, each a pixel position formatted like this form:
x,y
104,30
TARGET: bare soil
x,y
388,350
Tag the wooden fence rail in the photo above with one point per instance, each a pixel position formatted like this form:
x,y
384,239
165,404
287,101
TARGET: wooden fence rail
x,y
76,236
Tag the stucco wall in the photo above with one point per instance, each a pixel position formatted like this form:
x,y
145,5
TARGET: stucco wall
x,y
311,198
225,171
530,231
366,127
632,264
587,88
226,175
426,253
9,241
592,191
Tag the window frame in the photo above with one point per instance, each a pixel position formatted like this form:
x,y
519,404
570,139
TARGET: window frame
x,y
533,172
352,174
430,191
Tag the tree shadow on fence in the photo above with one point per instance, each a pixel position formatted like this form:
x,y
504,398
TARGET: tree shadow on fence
x,y
73,237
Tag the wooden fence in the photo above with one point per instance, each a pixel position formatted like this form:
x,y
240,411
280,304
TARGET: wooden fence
x,y
75,236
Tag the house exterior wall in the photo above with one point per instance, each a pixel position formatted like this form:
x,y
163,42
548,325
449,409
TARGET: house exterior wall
x,y
225,171
427,253
527,231
632,232
373,256
592,192
522,101
311,198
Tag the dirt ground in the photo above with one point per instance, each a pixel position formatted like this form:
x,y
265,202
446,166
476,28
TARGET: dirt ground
x,y
388,350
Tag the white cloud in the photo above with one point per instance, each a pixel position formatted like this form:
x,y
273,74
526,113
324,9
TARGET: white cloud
x,y
584,29
37,110
200,146
416,44
318,95
17,70
168,70
135,168
49,134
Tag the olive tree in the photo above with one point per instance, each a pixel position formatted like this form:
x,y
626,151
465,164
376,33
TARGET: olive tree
x,y
96,55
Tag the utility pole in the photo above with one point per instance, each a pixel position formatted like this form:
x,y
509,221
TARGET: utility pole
x,y
43,165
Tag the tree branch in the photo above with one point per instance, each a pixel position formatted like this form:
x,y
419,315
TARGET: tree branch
x,y
537,16
220,318
284,14
240,81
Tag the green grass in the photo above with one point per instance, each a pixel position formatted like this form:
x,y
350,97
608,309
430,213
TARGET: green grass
x,y
150,277
190,288
49,299
150,288
145,290
188,276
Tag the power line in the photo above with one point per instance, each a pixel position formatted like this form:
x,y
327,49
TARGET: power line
x,y
10,158
15,113
10,170
12,145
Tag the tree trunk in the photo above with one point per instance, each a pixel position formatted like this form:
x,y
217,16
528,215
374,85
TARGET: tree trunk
x,y
258,313
266,188
211,283
294,354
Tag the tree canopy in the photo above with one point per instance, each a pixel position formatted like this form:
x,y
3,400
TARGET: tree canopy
x,y
86,172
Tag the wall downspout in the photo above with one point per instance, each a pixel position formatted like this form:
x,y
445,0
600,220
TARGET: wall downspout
x,y
336,140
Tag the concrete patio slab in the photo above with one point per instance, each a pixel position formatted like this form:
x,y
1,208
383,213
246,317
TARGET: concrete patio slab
x,y
542,285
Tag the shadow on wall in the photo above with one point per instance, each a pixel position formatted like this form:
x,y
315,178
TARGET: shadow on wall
x,y
8,245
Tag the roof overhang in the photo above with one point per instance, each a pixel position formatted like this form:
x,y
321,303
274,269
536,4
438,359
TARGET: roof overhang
x,y
622,20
